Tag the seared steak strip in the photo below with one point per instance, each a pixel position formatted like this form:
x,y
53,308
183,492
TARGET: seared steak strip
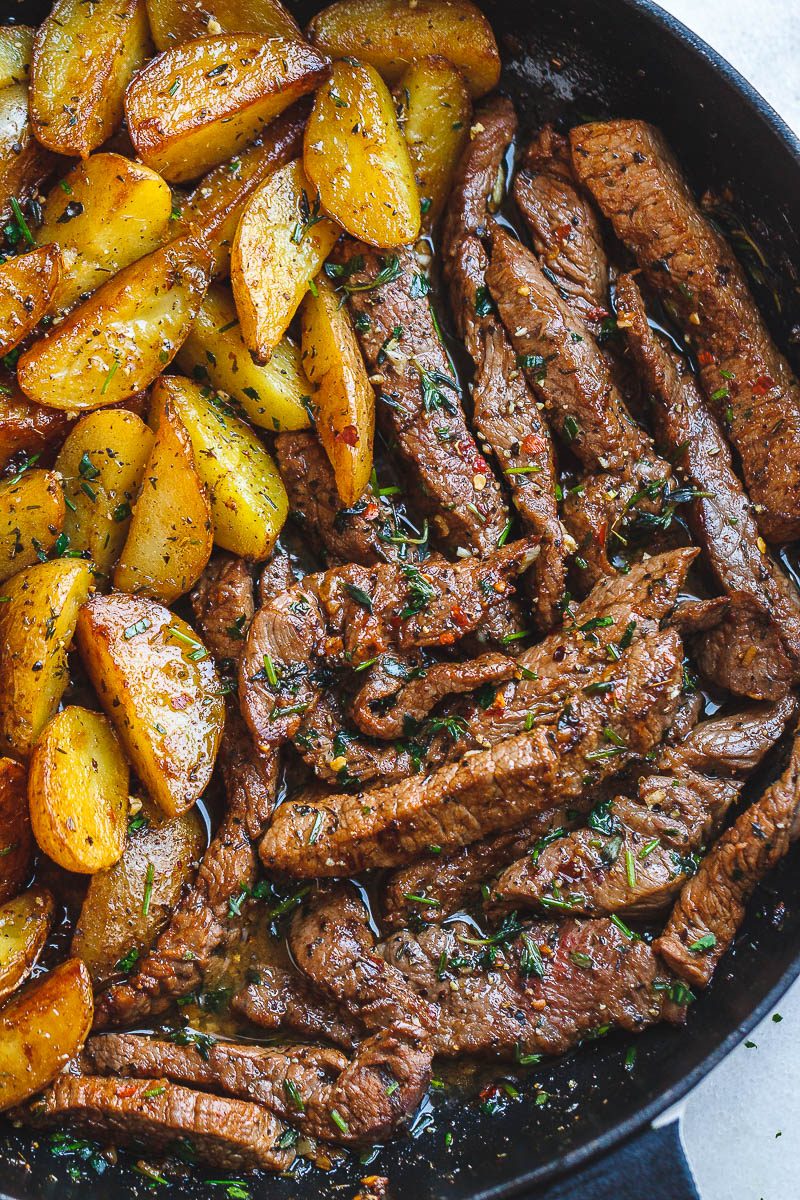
x,y
505,412
283,999
419,402
639,186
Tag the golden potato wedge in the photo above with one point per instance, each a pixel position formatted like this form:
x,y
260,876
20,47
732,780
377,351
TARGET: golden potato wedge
x,y
249,505
170,534
214,207
37,621
357,159
78,791
280,245
102,464
16,839
104,215
435,113
196,105
16,50
25,426
174,21
120,339
344,402
24,925
24,162
27,289
32,513
391,34
42,1028
115,927
160,688
274,395
83,58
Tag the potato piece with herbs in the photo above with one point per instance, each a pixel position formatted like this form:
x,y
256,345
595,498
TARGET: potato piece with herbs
x,y
32,513
37,621
274,396
24,162
42,1028
280,245
357,159
249,505
170,534
27,290
83,58
24,925
102,463
343,399
16,839
128,905
16,51
104,215
198,104
392,35
119,340
25,426
435,111
160,688
174,21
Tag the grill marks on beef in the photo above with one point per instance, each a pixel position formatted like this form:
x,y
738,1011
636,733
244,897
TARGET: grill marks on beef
x,y
639,186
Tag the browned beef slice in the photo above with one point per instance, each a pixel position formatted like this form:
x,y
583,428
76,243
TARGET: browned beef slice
x,y
283,999
419,402
639,186
505,413
745,652
495,789
636,854
711,906
154,1115
223,604
550,988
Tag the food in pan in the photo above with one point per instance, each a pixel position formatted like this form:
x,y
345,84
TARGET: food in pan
x,y
394,622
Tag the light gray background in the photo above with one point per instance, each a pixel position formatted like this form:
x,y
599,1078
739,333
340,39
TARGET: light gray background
x,y
741,1125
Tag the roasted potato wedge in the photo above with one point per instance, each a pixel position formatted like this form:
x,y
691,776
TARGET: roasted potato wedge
x,y
16,51
105,214
27,289
25,426
37,622
78,791
249,505
357,159
435,111
83,58
170,534
102,464
343,399
32,513
273,396
120,339
391,34
115,927
158,684
42,1028
280,245
214,207
24,162
24,925
174,21
16,839
197,105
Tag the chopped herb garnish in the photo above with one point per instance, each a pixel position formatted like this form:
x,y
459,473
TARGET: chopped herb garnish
x,y
339,1121
359,595
150,875
707,942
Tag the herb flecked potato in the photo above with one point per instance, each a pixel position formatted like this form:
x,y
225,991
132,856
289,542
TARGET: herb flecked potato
x,y
26,426
32,512
434,111
16,838
16,51
24,925
174,21
24,162
27,289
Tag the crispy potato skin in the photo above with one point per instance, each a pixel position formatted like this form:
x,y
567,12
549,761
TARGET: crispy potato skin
x,y
280,245
114,213
32,512
24,162
27,288
83,58
78,791
16,51
36,627
25,426
120,339
174,21
24,925
138,656
198,104
343,397
42,1028
391,34
16,838
435,114
357,159
112,922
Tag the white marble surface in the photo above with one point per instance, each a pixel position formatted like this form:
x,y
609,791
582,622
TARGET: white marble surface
x,y
741,1126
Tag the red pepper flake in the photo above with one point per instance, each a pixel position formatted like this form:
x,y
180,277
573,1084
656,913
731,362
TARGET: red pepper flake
x,y
480,465
126,1090
705,358
459,616
602,535
562,232
762,385
348,435
447,638
533,444
371,511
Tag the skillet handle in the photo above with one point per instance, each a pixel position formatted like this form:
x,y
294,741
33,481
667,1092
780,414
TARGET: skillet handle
x,y
652,1164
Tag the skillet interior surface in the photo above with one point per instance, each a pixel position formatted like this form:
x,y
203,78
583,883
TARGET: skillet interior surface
x,y
573,59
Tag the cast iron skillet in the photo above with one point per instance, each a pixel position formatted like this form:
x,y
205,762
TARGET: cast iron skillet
x,y
577,59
